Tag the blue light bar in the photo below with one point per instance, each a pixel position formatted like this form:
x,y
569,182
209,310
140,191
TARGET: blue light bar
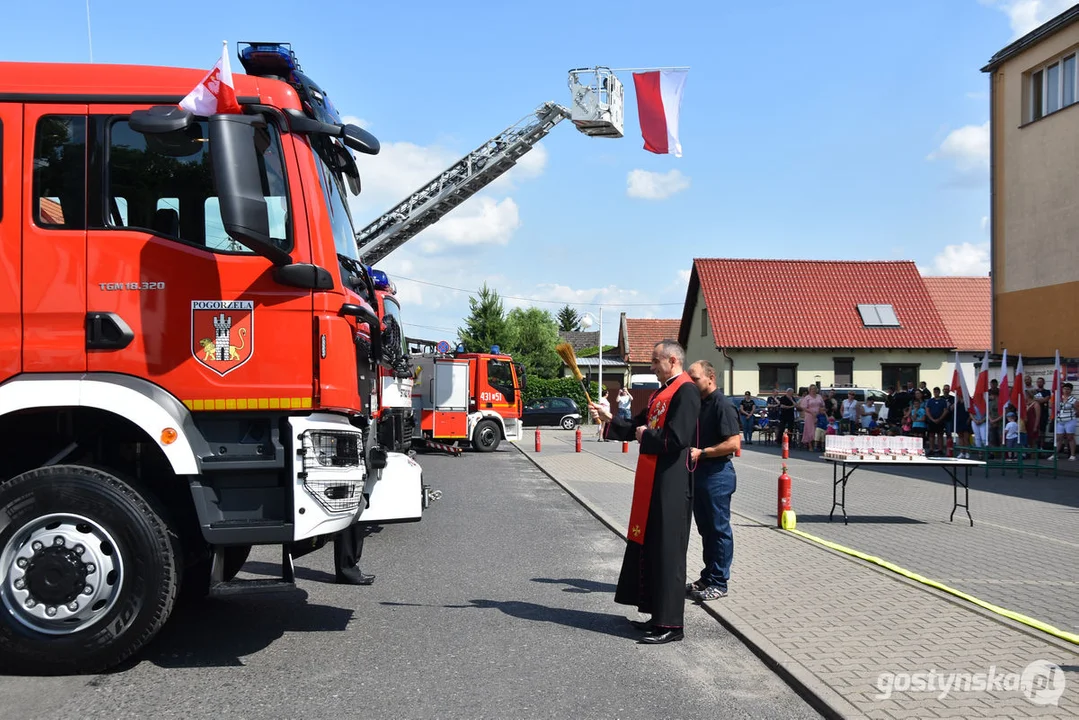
x,y
268,59
380,279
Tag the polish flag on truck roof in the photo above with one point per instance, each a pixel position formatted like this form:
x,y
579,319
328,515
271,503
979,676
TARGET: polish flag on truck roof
x,y
215,93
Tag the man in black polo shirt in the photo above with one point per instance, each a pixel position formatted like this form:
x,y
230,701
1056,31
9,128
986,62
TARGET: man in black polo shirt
x,y
714,481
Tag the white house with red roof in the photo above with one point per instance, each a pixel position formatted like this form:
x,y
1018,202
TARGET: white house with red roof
x,y
636,338
767,324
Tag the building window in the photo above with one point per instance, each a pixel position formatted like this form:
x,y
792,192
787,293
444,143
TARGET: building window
x,y
704,322
844,371
1053,87
776,377
891,375
878,316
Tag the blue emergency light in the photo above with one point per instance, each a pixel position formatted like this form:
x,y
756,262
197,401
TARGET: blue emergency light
x,y
380,279
495,349
264,59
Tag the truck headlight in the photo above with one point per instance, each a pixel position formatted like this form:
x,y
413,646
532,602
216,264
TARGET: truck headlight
x,y
332,468
333,449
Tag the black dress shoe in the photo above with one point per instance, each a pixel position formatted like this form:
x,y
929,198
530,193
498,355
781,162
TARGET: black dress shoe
x,y
642,624
659,637
355,579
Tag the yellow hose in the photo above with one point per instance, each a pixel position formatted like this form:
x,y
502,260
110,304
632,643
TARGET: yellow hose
x,y
1055,632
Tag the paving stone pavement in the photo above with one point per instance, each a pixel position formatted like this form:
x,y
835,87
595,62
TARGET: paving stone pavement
x,y
860,637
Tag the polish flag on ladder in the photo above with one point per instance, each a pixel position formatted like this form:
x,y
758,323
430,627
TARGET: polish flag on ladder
x,y
659,101
215,93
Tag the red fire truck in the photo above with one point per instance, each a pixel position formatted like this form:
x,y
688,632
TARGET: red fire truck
x,y
470,397
185,358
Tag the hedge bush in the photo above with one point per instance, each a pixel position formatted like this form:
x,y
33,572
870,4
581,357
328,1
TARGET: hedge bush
x,y
561,387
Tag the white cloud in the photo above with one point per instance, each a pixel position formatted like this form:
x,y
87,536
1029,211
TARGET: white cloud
x,y
683,276
354,120
1025,15
985,223
653,185
963,259
967,147
480,221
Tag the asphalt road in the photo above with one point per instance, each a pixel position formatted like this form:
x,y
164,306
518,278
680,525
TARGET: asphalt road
x,y
497,605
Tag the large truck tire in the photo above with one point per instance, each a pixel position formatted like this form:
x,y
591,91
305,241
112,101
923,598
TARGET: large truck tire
x,y
486,436
89,571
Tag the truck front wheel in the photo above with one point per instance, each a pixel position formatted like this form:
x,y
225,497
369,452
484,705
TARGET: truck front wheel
x,y
486,436
88,571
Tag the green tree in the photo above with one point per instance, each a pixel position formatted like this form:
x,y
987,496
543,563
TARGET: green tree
x,y
568,319
486,324
535,334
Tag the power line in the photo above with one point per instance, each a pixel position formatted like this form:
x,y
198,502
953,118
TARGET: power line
x,y
538,300
430,327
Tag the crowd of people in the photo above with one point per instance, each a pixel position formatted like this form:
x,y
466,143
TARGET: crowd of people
x,y
931,414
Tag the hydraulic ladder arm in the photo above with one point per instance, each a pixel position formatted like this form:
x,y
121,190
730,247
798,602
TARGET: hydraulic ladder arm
x,y
456,184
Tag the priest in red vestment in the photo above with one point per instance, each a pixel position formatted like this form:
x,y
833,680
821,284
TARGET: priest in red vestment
x,y
653,576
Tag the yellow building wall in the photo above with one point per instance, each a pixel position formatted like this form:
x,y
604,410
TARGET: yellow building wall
x,y
1035,264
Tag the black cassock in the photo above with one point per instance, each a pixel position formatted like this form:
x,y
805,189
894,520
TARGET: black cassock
x,y
653,576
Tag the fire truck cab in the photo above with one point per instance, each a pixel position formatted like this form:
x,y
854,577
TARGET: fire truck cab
x,y
187,346
470,397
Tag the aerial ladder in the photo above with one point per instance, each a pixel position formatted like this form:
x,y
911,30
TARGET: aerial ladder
x,y
597,111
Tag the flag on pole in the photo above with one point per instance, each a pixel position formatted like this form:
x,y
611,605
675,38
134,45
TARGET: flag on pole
x,y
962,383
1018,397
215,93
981,387
1057,382
1004,392
659,102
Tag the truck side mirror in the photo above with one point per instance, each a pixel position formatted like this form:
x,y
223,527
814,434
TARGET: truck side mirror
x,y
236,144
365,314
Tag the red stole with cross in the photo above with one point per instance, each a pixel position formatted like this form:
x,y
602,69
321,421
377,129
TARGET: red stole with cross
x,y
645,476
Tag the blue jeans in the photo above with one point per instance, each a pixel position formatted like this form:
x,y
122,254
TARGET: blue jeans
x,y
748,423
712,490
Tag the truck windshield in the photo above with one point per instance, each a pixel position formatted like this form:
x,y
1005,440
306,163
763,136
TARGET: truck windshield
x,y
344,237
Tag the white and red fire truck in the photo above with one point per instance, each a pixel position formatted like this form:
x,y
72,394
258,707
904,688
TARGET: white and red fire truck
x,y
467,397
185,333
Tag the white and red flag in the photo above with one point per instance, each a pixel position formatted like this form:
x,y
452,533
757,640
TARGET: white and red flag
x,y
1018,391
1004,392
659,102
215,94
981,387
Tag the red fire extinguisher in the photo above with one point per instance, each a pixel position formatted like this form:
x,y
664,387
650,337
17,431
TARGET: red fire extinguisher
x,y
578,439
537,439
784,503
786,448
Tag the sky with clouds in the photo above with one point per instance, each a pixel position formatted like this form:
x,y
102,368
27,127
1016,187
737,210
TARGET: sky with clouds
x,y
825,130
